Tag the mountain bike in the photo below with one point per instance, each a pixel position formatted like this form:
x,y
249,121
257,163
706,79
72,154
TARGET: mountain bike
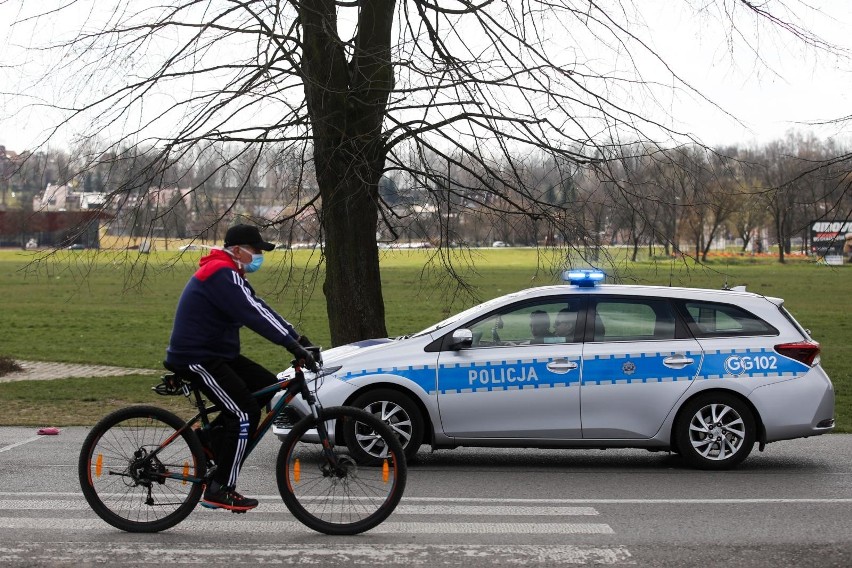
x,y
143,469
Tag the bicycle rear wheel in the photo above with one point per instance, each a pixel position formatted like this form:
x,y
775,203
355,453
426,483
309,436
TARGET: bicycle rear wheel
x,y
131,487
340,498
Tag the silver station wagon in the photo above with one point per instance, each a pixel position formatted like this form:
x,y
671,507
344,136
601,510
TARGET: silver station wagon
x,y
704,373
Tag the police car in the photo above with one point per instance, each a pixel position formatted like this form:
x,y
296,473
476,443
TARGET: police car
x,y
704,373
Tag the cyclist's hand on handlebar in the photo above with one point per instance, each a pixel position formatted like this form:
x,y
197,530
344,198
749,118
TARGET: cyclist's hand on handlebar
x,y
304,357
304,341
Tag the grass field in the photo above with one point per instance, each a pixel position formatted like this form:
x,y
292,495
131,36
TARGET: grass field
x,y
116,309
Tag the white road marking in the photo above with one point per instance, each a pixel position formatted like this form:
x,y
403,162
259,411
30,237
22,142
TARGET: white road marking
x,y
405,509
402,509
226,522
21,443
326,553
406,500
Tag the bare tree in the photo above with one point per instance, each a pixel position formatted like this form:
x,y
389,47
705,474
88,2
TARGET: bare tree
x,y
722,198
749,216
364,88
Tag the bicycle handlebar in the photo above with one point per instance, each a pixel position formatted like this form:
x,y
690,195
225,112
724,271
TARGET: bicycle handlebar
x,y
316,353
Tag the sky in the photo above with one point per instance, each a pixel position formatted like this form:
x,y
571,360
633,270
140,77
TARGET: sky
x,y
794,85
759,101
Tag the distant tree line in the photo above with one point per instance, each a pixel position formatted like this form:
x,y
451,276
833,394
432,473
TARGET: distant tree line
x,y
672,201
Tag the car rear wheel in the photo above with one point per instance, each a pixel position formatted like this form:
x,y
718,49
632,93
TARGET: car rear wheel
x,y
715,431
397,411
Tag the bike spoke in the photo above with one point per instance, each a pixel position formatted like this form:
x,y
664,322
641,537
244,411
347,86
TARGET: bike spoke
x,y
341,496
129,484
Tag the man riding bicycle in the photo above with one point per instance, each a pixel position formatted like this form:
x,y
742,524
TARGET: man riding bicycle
x,y
205,345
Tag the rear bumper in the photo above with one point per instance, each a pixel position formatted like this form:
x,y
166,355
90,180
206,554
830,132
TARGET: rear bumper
x,y
796,408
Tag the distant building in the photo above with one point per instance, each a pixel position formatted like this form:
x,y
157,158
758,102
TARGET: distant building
x,y
64,198
162,197
51,228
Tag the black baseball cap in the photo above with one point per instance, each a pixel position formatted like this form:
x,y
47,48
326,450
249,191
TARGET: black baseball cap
x,y
246,235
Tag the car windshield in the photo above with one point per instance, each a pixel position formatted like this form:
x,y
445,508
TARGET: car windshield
x,y
463,315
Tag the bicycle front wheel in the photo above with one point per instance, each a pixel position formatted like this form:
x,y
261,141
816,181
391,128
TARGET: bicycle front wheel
x,y
326,489
137,474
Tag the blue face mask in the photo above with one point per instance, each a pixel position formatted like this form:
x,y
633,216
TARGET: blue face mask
x,y
256,261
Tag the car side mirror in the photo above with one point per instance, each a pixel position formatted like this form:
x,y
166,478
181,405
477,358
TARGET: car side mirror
x,y
461,339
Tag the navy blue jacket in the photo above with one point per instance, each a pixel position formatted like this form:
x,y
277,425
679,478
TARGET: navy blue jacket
x,y
216,302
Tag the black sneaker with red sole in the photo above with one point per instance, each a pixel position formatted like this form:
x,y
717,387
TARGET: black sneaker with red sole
x,y
228,499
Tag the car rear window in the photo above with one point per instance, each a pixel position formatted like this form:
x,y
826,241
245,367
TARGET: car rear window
x,y
806,333
724,320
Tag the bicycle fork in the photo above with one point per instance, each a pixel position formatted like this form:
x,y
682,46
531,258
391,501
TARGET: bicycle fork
x,y
322,431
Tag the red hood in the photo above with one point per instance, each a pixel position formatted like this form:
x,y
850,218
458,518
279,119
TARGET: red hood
x,y
215,261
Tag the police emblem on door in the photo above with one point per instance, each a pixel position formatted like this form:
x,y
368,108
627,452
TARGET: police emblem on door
x,y
629,368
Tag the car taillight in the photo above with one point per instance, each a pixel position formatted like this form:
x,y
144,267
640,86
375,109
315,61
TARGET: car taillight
x,y
806,352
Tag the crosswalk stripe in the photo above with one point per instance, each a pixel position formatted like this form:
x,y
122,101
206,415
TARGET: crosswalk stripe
x,y
227,522
547,502
73,518
325,553
402,509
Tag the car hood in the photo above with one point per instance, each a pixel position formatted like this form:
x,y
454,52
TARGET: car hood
x,y
344,354
336,355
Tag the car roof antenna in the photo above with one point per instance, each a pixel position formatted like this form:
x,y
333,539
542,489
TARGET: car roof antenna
x,y
727,269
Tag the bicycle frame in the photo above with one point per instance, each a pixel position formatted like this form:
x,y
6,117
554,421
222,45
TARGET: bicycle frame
x,y
291,387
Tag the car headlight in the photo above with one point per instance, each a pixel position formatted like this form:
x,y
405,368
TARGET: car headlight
x,y
286,374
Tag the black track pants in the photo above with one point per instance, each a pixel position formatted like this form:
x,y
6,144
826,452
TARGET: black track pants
x,y
229,384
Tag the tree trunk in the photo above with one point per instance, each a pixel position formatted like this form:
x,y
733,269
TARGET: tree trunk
x,y
779,224
708,242
346,102
746,240
353,286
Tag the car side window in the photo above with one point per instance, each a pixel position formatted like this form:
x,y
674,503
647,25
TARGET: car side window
x,y
725,320
633,320
549,322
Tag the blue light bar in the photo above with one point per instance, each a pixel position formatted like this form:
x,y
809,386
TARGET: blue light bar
x,y
585,278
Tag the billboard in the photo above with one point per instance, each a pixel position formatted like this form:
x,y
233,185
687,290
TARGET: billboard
x,y
828,238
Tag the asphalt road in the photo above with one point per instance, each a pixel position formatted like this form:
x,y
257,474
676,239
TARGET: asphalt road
x,y
788,506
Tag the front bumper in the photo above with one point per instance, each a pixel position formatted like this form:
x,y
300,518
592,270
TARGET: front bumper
x,y
285,422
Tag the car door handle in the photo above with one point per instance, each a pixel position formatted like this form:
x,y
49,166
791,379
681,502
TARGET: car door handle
x,y
677,361
561,366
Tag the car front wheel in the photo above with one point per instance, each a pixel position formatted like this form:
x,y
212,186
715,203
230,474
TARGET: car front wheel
x,y
715,431
397,411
